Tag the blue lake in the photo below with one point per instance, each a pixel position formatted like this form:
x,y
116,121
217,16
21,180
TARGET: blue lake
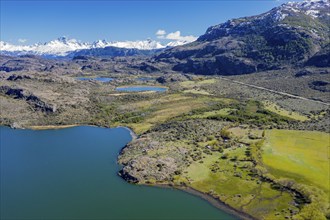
x,y
100,79
141,89
72,174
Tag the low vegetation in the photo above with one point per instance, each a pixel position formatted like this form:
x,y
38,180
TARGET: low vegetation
x,y
230,142
222,148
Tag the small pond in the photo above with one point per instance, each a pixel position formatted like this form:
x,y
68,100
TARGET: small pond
x,y
100,79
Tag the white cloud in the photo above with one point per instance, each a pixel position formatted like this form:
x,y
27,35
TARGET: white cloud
x,y
22,40
176,36
160,32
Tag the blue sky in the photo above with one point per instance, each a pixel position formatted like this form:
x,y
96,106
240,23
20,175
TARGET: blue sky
x,y
41,21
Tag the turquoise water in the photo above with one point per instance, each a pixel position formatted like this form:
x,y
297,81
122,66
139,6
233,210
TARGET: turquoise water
x,y
72,174
141,89
100,79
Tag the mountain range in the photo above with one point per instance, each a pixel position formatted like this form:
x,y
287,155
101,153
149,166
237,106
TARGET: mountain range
x,y
295,34
63,47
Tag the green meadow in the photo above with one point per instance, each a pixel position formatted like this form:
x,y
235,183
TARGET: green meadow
x,y
299,155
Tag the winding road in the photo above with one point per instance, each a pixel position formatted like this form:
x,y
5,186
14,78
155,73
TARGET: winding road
x,y
274,91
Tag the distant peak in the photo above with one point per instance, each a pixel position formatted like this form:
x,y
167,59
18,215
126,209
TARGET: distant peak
x,y
64,45
62,39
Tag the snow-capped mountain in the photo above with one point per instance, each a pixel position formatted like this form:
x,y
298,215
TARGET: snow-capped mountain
x,y
58,47
63,46
141,45
312,8
299,11
177,43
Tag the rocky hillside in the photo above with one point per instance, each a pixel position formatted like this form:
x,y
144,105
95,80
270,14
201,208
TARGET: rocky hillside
x,y
288,35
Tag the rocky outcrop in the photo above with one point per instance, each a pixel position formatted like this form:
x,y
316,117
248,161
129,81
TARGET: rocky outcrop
x,y
139,167
127,176
320,59
34,101
169,78
16,125
15,77
221,65
148,68
10,69
321,86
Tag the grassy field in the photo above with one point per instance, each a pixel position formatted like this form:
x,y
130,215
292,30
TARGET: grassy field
x,y
248,169
224,111
163,109
228,180
281,111
196,91
196,83
299,155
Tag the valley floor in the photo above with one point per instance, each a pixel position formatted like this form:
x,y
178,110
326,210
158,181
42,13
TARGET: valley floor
x,y
259,152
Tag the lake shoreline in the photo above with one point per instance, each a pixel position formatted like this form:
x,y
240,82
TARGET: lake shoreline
x,y
51,127
54,127
211,200
208,198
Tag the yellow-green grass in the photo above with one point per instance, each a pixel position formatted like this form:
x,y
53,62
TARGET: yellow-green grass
x,y
299,155
245,193
195,91
281,111
242,134
170,109
224,111
163,109
190,83
51,127
163,100
138,128
318,116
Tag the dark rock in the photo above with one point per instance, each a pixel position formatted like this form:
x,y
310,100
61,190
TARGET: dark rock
x,y
15,77
34,101
126,176
303,73
147,67
10,69
321,86
320,59
319,83
168,78
16,125
80,58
